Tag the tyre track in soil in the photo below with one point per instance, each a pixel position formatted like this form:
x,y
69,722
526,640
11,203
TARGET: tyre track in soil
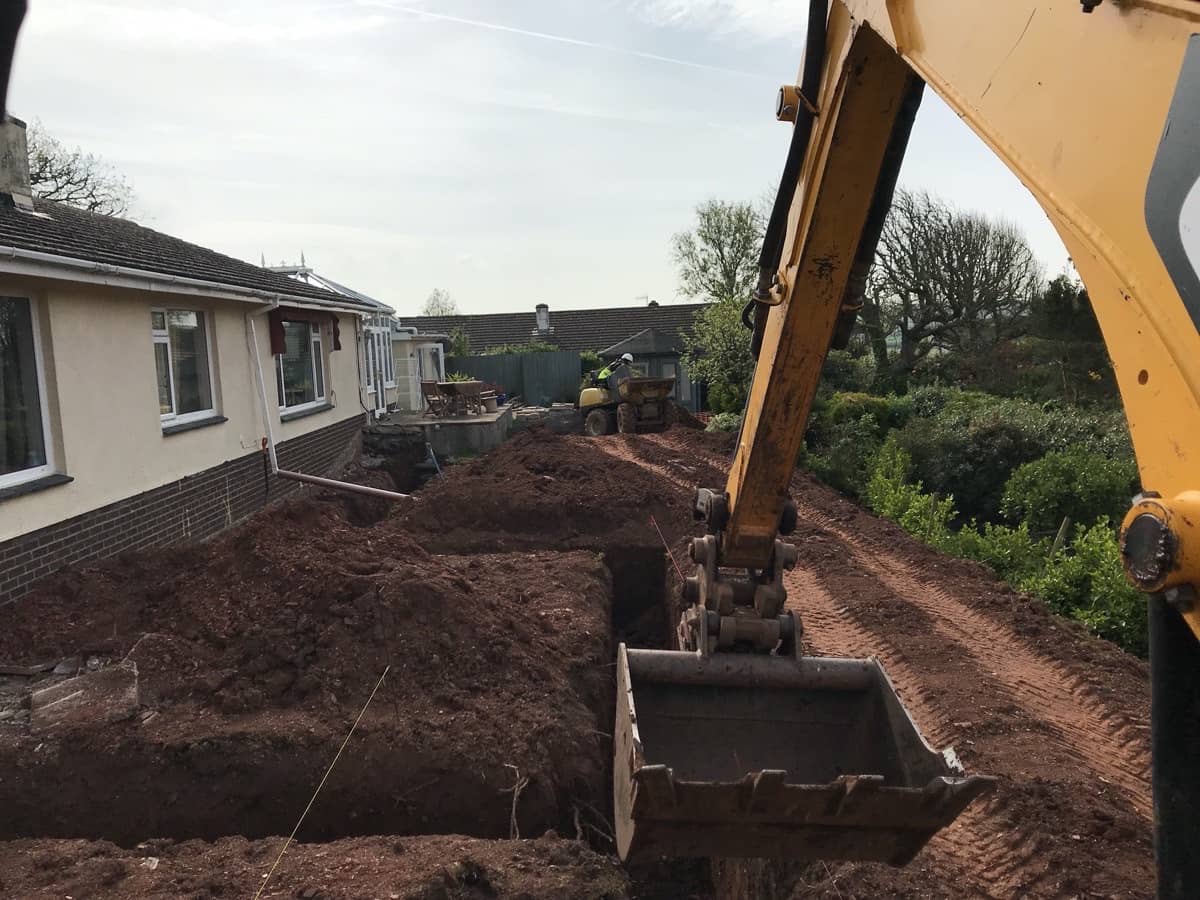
x,y
1047,690
1070,724
948,854
1110,741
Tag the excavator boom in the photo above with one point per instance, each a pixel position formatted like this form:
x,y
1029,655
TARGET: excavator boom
x,y
1095,106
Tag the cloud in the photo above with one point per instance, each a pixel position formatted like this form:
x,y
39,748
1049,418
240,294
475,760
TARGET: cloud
x,y
556,38
762,19
211,25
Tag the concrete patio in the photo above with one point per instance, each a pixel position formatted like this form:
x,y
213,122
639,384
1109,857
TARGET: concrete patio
x,y
451,435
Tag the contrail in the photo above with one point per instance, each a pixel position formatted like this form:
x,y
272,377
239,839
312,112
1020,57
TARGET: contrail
x,y
557,38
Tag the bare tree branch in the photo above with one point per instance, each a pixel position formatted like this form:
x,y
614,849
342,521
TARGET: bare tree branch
x,y
946,280
439,303
68,175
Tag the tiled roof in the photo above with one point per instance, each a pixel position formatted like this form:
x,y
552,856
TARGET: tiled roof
x,y
63,230
573,329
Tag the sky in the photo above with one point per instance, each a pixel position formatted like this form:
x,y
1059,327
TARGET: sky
x,y
511,153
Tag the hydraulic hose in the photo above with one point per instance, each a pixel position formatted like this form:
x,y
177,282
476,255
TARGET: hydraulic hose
x,y
772,245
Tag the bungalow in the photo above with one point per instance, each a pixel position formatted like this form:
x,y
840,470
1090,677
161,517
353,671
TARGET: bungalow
x,y
652,333
140,376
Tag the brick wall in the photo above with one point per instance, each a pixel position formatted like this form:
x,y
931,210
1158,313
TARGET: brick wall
x,y
191,508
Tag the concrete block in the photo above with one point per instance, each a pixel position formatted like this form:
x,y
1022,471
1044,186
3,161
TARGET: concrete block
x,y
106,695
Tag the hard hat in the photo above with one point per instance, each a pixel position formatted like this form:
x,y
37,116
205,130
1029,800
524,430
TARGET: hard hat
x,y
627,357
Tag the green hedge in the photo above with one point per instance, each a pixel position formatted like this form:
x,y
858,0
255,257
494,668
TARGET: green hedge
x,y
1082,579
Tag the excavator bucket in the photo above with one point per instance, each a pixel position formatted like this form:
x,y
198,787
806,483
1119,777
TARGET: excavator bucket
x,y
742,755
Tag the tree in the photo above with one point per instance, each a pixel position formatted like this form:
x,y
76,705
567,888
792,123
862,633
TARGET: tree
x,y
439,303
460,343
946,280
719,259
68,175
717,354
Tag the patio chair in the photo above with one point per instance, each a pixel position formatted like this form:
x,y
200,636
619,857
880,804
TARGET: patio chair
x,y
436,403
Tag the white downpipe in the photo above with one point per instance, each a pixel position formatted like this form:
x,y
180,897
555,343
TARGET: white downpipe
x,y
262,386
252,337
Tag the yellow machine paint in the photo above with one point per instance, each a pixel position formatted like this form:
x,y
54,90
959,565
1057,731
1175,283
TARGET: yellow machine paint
x,y
593,396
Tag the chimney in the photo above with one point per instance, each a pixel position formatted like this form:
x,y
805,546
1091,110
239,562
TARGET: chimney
x,y
14,164
652,304
543,317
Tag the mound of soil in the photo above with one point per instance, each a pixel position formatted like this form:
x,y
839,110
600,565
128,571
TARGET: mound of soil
x,y
411,868
255,652
546,491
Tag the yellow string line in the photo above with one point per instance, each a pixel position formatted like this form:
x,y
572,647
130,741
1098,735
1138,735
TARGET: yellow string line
x,y
313,799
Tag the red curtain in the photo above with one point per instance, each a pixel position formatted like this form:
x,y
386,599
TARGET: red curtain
x,y
281,314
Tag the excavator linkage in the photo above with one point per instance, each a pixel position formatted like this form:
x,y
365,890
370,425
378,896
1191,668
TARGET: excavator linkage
x,y
747,755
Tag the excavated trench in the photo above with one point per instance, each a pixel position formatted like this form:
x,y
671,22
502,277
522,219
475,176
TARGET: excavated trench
x,y
502,674
191,772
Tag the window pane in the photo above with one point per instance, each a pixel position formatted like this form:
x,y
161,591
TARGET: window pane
x,y
318,364
162,361
22,439
189,357
158,321
296,363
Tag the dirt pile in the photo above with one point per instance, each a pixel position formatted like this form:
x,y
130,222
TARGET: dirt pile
x,y
256,651
542,490
410,868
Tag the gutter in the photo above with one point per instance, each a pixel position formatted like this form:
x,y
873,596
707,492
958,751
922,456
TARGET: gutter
x,y
69,268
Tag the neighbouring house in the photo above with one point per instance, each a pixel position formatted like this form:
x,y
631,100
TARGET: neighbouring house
x,y
652,333
379,374
139,377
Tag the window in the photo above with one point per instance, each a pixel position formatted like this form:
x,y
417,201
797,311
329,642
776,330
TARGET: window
x,y
300,368
377,354
183,361
25,451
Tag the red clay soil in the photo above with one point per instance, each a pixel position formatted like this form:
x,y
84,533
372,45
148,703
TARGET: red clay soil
x,y
1059,716
545,491
409,868
511,665
255,653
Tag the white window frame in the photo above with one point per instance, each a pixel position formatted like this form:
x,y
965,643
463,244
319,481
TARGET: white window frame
x,y
368,358
316,336
163,336
21,476
377,341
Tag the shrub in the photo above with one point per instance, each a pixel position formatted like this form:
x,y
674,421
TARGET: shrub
x,y
843,460
725,421
970,459
969,444
1078,483
1086,582
843,371
1012,553
589,360
726,398
889,412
